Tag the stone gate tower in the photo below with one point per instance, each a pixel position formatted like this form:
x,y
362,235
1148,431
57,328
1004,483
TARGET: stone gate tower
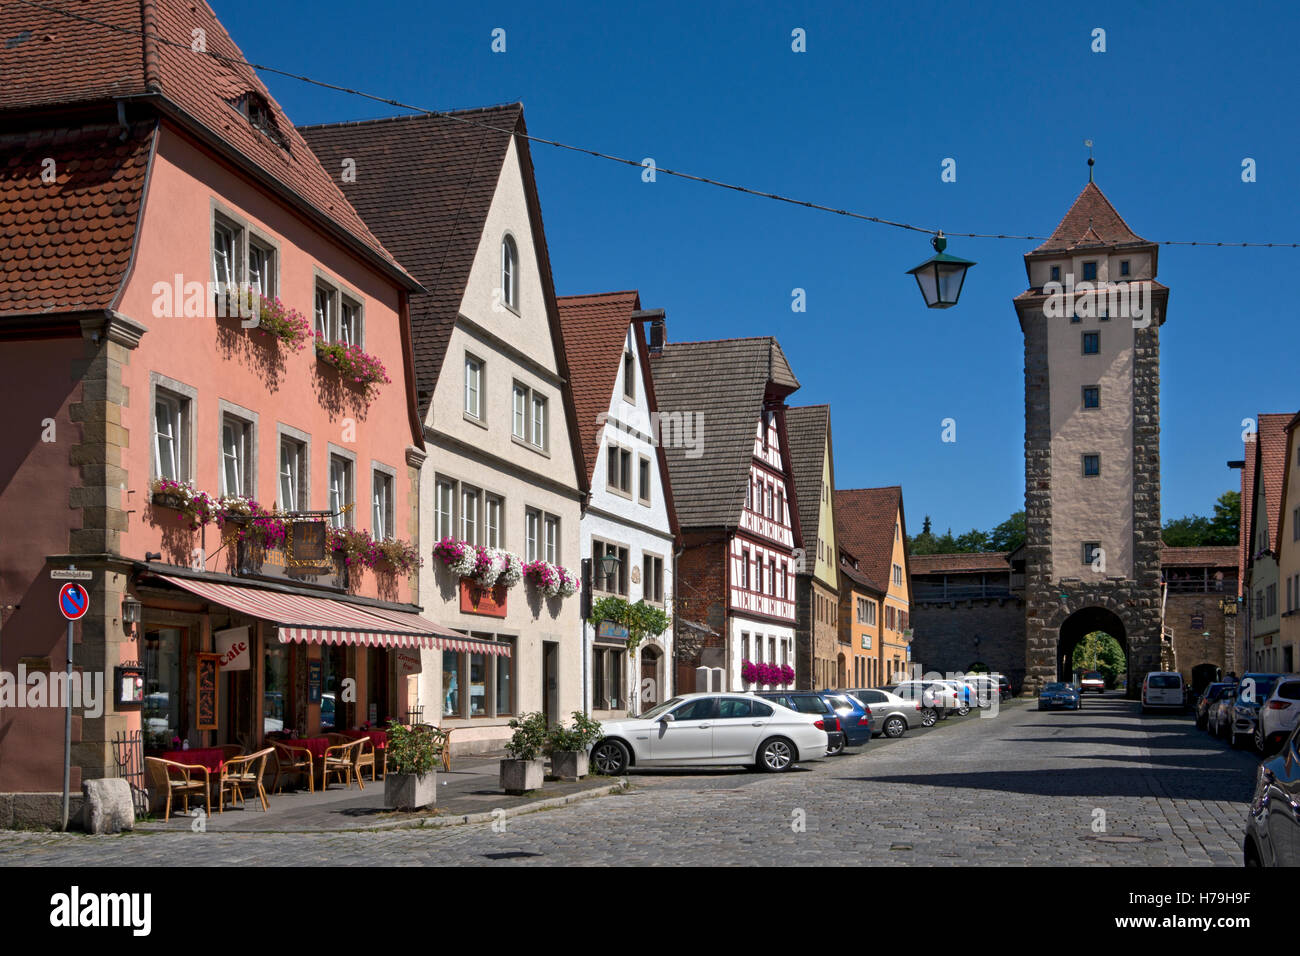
x,y
1091,318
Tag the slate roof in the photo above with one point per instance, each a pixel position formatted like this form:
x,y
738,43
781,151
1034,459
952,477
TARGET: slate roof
x,y
724,381
973,562
1090,221
65,246
595,331
425,184
808,430
51,59
864,522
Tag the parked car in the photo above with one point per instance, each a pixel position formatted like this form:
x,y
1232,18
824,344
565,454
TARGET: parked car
x,y
1093,681
984,689
964,693
1212,693
1059,694
942,699
812,702
1279,714
711,730
855,717
1218,719
891,715
1251,694
1163,689
1273,823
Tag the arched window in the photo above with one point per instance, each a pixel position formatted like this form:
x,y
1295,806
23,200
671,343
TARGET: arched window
x,y
510,272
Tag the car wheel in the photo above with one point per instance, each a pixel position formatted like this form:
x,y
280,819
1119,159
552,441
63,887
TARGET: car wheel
x,y
610,758
928,717
895,727
836,749
1235,740
963,710
776,755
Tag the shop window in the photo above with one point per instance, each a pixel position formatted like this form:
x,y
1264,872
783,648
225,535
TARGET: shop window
x,y
165,714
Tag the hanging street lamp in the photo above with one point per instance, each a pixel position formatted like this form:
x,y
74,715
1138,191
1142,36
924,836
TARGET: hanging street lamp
x,y
941,276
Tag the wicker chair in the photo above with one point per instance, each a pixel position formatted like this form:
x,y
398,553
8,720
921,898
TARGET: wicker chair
x,y
442,737
290,760
341,759
175,780
366,758
241,772
229,751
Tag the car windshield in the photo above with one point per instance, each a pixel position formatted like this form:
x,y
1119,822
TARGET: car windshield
x,y
658,709
1262,689
1055,688
1092,675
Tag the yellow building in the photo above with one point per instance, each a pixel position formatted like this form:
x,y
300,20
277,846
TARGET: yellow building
x,y
870,525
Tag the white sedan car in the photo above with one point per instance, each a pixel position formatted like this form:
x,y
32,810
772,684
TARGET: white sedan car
x,y
709,730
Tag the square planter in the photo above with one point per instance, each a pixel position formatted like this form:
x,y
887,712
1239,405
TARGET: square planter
x,y
569,764
519,776
410,791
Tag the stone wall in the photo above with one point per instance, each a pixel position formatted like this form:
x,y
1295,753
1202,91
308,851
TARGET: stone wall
x,y
943,636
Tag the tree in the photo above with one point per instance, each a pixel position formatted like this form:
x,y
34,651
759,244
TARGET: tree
x,y
1010,534
1098,651
1192,531
925,525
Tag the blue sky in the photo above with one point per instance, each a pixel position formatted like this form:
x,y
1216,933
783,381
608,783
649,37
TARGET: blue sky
x,y
863,120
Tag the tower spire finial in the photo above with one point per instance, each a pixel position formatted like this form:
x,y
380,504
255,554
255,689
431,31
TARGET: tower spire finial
x,y
1091,161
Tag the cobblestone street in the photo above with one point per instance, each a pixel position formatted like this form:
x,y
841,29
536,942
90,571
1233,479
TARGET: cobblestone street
x,y
1023,788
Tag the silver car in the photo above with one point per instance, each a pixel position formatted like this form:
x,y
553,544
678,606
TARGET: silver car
x,y
891,715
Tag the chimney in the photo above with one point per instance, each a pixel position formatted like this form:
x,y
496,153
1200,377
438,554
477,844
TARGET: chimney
x,y
658,333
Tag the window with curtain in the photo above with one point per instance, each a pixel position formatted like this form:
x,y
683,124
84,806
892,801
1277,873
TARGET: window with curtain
x,y
291,475
473,387
469,514
170,445
234,456
532,533
552,527
225,246
494,508
445,501
341,490
381,506
519,423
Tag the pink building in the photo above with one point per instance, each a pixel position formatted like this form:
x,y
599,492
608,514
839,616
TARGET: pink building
x,y
139,177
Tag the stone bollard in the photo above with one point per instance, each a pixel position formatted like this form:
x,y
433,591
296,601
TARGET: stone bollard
x,y
107,806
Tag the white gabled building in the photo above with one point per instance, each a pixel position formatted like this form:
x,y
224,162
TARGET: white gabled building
x,y
629,514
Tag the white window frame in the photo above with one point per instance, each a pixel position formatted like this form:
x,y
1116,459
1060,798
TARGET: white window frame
x,y
383,508
474,387
444,493
467,524
177,412
551,537
331,326
532,534
342,492
291,468
494,506
240,450
510,273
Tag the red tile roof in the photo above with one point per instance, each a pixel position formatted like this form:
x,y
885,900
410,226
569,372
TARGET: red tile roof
x,y
975,562
67,60
595,330
1201,557
864,523
65,245
1091,221
1270,467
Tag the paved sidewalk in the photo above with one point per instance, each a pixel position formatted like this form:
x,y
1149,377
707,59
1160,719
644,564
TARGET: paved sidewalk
x,y
469,793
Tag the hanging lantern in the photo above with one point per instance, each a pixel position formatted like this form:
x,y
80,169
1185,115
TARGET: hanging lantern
x,y
941,276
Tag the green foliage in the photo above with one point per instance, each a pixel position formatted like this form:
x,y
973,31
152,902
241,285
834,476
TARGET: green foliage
x,y
1098,651
529,738
411,749
583,734
640,618
1007,536
1192,531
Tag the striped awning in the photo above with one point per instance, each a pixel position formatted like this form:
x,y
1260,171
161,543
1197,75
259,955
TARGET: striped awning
x,y
320,620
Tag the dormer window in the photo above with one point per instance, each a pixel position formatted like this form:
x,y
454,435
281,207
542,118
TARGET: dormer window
x,y
254,108
510,273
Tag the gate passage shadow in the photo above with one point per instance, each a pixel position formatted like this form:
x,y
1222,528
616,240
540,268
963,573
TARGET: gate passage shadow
x,y
1187,783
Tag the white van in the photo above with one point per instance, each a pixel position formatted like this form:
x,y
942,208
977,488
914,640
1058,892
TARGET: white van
x,y
1163,689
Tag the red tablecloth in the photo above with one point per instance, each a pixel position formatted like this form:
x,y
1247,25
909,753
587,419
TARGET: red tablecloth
x,y
209,757
378,738
316,745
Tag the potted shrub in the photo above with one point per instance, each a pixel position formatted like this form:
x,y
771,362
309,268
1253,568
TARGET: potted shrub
x,y
411,780
568,748
525,769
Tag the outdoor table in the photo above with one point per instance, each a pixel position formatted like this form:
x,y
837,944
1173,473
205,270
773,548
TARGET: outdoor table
x,y
316,746
378,738
212,758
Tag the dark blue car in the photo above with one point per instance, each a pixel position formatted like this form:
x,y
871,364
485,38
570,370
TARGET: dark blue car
x,y
855,717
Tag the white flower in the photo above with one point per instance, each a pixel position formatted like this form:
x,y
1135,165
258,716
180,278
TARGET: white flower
x,y
463,566
513,572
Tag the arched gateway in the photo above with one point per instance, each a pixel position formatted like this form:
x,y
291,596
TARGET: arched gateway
x,y
1091,319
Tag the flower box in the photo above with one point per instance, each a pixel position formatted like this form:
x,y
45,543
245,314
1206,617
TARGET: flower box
x,y
356,368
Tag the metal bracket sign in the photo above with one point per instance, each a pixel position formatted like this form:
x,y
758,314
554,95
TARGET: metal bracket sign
x,y
74,601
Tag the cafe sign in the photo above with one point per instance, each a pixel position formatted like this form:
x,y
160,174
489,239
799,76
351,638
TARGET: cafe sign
x,y
233,649
407,662
476,599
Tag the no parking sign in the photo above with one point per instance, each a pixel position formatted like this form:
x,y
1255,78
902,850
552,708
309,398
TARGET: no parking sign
x,y
74,601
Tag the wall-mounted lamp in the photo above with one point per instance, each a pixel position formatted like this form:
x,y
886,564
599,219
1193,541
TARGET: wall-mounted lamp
x,y
153,555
